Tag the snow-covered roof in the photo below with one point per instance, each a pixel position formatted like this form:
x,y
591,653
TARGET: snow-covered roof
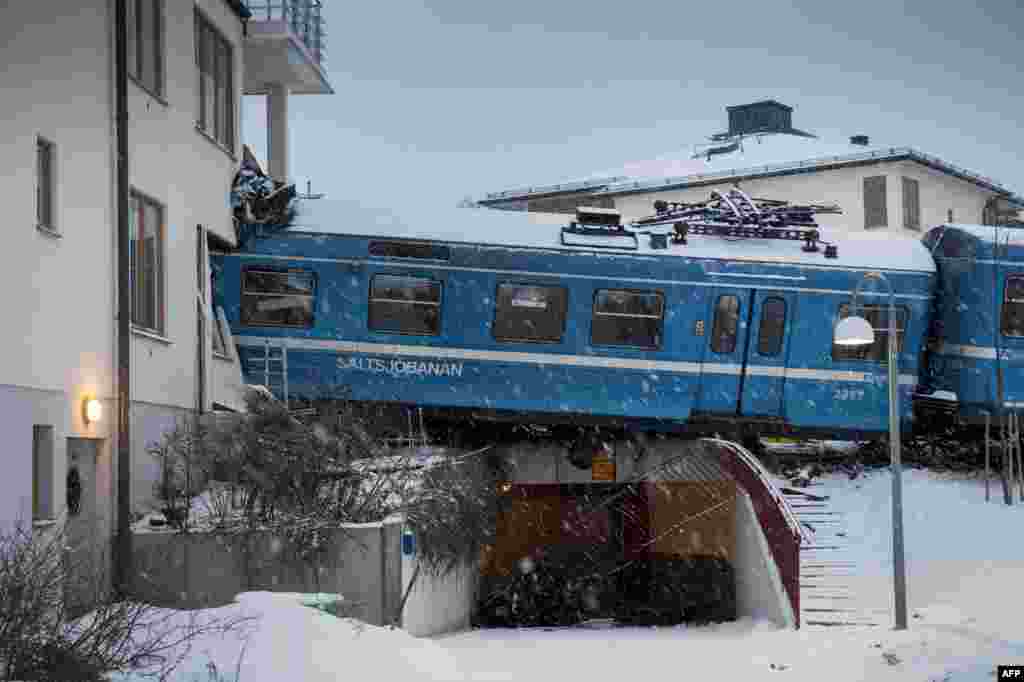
x,y
757,155
862,250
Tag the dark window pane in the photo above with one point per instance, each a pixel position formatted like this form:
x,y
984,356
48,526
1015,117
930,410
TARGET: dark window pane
x,y
878,317
146,256
1012,316
911,204
875,214
773,326
727,320
529,313
278,298
405,305
627,318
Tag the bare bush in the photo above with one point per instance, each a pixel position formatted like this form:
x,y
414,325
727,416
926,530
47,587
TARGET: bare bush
x,y
59,621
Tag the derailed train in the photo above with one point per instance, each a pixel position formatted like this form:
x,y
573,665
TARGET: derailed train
x,y
716,317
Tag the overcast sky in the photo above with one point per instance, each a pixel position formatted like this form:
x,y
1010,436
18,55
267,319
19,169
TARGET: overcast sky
x,y
438,100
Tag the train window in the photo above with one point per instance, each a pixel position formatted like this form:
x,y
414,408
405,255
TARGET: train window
x,y
773,326
727,320
405,305
878,317
627,318
529,312
278,298
1012,315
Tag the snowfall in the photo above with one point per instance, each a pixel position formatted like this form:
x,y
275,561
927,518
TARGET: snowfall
x,y
965,565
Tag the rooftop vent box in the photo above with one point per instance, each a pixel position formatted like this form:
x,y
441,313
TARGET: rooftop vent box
x,y
768,116
589,215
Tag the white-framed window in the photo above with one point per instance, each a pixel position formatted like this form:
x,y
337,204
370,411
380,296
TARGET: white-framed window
x,y
146,44
215,66
45,184
147,262
911,204
875,212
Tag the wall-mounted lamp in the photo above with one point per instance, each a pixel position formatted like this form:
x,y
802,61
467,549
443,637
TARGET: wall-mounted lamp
x,y
92,410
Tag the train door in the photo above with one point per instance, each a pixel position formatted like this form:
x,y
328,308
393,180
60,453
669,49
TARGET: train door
x,y
721,375
764,371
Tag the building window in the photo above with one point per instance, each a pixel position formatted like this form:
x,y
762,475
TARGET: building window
x,y
45,184
773,326
875,214
145,44
911,204
282,298
1012,315
949,216
726,324
42,473
627,318
529,312
405,305
147,262
215,66
878,317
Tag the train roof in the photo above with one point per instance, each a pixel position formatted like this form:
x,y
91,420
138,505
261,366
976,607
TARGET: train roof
x,y
989,233
488,227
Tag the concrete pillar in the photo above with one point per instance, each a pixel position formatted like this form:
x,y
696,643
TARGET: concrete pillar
x,y
277,131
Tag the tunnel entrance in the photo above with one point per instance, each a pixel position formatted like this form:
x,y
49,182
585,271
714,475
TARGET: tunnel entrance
x,y
684,532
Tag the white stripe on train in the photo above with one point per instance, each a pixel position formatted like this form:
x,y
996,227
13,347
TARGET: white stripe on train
x,y
562,359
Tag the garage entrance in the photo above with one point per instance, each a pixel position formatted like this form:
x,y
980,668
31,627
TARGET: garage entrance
x,y
683,532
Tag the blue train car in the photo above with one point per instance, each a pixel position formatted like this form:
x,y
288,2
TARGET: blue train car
x,y
489,314
976,358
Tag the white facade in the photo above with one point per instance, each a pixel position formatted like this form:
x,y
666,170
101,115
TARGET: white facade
x,y
60,345
939,193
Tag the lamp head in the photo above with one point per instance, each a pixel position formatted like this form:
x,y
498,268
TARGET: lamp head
x,y
854,332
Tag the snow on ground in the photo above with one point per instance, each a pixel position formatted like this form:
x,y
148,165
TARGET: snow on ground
x,y
965,562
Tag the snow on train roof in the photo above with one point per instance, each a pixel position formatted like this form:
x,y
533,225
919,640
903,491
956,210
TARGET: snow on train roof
x,y
519,229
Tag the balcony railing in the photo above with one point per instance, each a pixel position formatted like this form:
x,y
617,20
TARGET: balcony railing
x,y
304,17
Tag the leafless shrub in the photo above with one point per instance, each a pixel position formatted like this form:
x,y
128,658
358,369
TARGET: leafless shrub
x,y
60,621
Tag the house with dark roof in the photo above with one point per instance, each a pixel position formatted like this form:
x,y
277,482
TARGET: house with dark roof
x,y
877,186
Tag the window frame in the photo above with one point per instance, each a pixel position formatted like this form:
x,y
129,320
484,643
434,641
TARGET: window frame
x,y
884,208
642,292
139,36
439,304
911,210
46,148
1003,304
210,47
562,313
780,338
160,278
713,340
271,270
877,348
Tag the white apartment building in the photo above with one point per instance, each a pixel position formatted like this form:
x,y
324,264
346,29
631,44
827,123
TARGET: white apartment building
x,y
877,186
188,64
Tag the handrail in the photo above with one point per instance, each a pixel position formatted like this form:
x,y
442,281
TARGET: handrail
x,y
304,17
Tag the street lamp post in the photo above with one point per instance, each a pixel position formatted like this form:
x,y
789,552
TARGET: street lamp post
x,y
856,331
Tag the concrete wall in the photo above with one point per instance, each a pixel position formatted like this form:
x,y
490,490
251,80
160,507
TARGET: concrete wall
x,y
438,604
362,563
844,186
759,591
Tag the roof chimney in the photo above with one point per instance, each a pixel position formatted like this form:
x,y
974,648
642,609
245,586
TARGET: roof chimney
x,y
859,140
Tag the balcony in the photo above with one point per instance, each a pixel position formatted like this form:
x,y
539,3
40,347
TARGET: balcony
x,y
285,44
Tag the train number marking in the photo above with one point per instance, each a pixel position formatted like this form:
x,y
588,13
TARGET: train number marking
x,y
848,394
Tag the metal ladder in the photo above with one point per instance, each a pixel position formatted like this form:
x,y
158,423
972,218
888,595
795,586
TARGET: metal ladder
x,y
275,368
